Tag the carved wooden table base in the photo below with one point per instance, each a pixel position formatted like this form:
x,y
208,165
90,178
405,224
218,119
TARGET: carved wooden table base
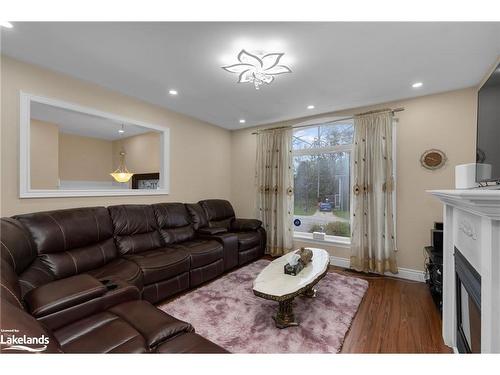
x,y
285,317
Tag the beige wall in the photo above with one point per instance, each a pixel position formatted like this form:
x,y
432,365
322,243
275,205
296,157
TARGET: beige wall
x,y
44,155
142,152
84,158
200,166
444,121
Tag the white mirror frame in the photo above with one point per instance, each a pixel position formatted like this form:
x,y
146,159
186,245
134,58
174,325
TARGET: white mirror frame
x,y
25,190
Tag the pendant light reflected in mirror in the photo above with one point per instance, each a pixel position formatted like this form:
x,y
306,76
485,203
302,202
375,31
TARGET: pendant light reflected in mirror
x,y
122,174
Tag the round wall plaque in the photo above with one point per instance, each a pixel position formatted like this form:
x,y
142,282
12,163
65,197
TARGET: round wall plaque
x,y
433,159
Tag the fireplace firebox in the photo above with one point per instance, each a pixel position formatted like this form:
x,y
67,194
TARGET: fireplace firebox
x,y
468,303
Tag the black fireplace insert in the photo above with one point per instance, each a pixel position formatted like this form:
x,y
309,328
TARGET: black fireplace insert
x,y
468,303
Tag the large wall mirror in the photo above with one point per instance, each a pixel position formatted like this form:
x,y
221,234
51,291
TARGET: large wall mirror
x,y
69,151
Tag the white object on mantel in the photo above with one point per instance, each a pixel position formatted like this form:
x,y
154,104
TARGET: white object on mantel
x,y
472,225
465,175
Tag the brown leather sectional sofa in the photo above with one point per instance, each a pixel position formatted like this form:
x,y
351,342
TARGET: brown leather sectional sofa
x,y
86,278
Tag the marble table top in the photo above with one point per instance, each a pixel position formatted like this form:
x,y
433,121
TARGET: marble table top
x,y
273,281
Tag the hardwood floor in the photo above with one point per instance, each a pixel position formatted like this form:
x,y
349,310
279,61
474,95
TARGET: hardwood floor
x,y
395,316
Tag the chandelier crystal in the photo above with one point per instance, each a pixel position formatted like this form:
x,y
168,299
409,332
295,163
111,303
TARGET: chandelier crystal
x,y
257,70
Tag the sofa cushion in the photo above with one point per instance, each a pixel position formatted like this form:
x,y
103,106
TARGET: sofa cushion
x,y
63,230
161,264
166,288
101,333
203,252
153,324
130,327
135,228
199,275
171,215
197,215
249,255
68,242
246,240
79,260
174,222
217,209
122,269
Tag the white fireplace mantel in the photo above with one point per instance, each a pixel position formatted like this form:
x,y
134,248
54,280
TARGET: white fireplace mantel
x,y
480,202
472,225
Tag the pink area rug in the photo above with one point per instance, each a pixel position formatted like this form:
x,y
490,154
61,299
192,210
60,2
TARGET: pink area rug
x,y
228,313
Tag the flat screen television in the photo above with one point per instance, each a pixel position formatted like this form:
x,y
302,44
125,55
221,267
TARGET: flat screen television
x,y
488,129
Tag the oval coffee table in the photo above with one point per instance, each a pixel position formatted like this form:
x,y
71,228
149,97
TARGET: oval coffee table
x,y
273,284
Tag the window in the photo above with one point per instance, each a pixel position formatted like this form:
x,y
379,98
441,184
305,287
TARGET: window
x,y
321,157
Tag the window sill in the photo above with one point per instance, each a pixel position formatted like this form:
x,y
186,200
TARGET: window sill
x,y
328,240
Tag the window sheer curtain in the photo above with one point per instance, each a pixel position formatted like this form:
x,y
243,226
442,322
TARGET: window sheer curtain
x,y
274,181
373,240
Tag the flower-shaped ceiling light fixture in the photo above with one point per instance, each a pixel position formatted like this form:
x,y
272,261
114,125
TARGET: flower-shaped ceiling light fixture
x,y
257,70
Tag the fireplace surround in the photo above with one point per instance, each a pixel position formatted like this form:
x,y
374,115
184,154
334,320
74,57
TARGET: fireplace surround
x,y
471,246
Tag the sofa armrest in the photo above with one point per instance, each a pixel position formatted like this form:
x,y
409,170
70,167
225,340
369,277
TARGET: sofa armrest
x,y
62,294
210,231
245,225
229,242
119,291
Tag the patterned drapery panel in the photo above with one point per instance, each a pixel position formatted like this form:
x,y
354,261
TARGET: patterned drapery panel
x,y
274,182
373,238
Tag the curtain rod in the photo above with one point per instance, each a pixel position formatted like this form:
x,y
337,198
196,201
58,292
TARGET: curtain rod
x,y
338,120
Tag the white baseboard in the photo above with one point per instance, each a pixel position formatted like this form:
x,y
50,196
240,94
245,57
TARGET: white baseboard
x,y
409,274
339,262
403,273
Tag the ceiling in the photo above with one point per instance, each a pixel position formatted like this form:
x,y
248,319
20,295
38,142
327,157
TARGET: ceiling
x,y
85,125
334,65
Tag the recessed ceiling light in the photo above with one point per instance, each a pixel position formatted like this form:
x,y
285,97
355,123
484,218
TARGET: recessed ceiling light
x,y
242,121
172,92
6,24
121,131
310,106
416,85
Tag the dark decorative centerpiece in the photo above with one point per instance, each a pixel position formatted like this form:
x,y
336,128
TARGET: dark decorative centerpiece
x,y
298,261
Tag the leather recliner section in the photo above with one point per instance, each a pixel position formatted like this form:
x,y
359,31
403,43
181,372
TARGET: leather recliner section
x,y
139,241
67,243
177,233
250,236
